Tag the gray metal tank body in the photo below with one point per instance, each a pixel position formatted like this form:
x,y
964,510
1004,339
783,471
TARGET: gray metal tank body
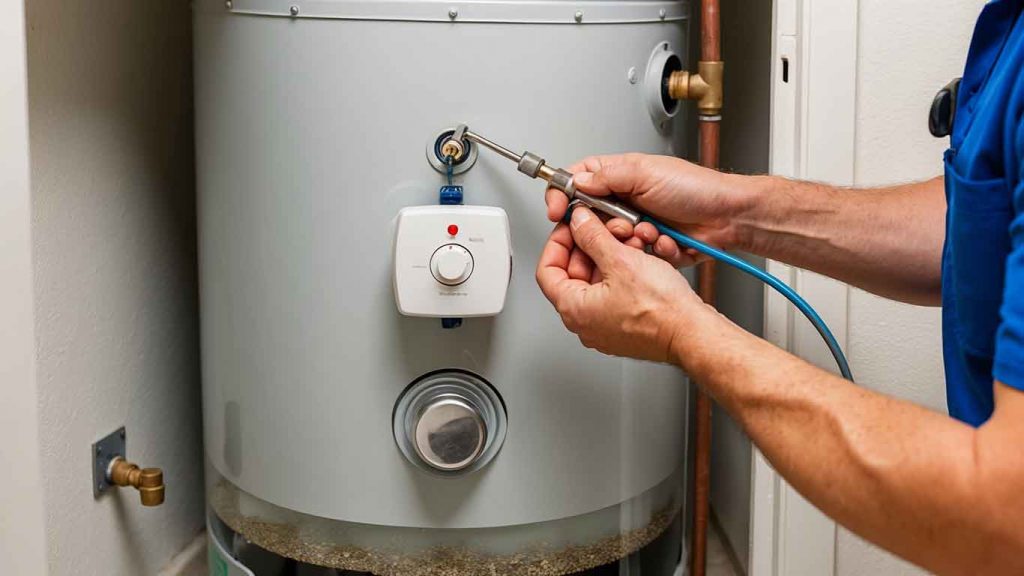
x,y
311,135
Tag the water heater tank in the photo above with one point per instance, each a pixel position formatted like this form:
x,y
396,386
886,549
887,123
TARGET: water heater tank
x,y
344,436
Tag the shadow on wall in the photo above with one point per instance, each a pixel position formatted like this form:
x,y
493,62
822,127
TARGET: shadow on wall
x,y
114,264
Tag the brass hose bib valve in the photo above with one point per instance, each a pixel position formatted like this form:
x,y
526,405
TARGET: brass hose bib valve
x,y
704,87
111,470
148,481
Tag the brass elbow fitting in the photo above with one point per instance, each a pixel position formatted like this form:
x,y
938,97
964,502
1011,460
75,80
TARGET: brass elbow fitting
x,y
148,481
704,87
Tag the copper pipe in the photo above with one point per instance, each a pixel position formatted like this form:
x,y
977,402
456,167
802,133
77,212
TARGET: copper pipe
x,y
709,140
710,31
702,484
710,34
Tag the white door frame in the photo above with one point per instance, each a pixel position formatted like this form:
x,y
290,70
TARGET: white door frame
x,y
812,137
22,534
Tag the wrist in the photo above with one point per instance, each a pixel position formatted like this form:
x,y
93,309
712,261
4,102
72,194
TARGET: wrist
x,y
697,334
751,209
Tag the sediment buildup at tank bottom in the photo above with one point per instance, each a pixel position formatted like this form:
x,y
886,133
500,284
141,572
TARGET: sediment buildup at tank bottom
x,y
538,560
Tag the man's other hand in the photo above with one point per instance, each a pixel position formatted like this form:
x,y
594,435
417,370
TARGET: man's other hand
x,y
616,298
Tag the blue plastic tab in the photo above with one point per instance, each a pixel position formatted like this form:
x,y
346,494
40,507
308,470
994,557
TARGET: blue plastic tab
x,y
451,195
449,323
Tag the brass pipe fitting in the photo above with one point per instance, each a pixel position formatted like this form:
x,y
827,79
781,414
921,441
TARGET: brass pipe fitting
x,y
453,148
148,481
704,87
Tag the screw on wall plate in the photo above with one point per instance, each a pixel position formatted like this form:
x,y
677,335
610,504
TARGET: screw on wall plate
x,y
662,13
578,16
453,13
104,452
632,75
294,10
228,4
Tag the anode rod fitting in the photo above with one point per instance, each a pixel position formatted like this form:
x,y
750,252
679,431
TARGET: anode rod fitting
x,y
452,148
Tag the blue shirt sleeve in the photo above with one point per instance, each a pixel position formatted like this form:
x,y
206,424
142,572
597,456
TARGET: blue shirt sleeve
x,y
1009,359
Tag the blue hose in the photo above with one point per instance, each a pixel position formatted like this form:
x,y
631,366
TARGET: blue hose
x,y
801,304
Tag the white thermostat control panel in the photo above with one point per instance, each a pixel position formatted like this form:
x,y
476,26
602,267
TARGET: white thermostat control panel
x,y
452,261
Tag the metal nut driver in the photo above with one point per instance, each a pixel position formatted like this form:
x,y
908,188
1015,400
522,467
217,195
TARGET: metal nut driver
x,y
536,167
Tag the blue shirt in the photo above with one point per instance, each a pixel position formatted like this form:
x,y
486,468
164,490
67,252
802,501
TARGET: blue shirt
x,y
983,258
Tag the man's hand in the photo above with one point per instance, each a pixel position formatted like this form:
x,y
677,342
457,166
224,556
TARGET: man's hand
x,y
886,240
617,299
701,202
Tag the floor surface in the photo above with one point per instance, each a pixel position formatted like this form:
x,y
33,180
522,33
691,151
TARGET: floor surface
x,y
196,568
719,560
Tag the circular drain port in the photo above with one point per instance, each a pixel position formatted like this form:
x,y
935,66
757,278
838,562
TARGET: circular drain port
x,y
449,422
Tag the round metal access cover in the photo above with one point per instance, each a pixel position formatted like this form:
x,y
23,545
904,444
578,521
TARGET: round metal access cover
x,y
450,422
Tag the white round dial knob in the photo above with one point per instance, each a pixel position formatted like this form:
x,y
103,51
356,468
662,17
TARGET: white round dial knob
x,y
451,264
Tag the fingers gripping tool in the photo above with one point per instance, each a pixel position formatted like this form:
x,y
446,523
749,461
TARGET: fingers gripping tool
x,y
535,167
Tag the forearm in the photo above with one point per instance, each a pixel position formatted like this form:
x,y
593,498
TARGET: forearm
x,y
887,241
908,479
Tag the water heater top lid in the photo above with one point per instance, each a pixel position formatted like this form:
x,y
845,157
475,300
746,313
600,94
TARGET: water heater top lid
x,y
468,11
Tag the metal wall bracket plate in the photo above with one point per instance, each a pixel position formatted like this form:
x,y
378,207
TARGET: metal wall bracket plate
x,y
104,451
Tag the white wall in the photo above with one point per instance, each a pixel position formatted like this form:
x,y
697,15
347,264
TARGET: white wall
x,y
906,51
114,274
22,546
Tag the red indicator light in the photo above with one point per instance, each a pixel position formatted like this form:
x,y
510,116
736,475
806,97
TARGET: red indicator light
x,y
453,229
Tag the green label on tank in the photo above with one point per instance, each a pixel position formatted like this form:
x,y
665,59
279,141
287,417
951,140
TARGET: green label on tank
x,y
218,567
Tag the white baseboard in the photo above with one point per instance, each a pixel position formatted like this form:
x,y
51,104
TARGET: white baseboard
x,y
189,562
